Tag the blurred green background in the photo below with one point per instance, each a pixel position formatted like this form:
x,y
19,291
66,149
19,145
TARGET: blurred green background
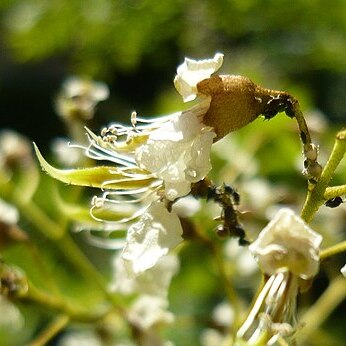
x,y
135,47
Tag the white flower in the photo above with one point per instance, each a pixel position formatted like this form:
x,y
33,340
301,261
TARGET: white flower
x,y
152,162
153,236
288,243
287,251
192,72
148,311
343,270
77,87
79,97
15,150
154,281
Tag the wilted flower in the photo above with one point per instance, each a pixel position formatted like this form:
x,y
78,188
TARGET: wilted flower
x,y
287,251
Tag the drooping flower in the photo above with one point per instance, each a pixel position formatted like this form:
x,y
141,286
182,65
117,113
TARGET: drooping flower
x,y
288,243
287,251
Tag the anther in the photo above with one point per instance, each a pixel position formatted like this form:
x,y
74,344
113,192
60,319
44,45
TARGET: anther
x,y
134,118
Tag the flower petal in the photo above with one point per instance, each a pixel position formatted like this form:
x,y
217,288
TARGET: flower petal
x,y
154,281
192,72
287,242
157,232
178,153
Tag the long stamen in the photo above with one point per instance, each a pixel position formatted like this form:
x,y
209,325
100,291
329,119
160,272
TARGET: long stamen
x,y
137,214
125,158
146,193
256,308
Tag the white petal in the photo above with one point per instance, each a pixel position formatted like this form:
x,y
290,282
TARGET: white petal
x,y
178,153
287,242
197,157
187,206
154,281
148,311
182,126
192,72
343,270
157,232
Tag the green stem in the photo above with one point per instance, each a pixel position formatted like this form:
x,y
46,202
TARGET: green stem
x,y
55,303
333,250
53,329
334,191
323,307
316,197
303,128
41,266
86,267
37,217
64,243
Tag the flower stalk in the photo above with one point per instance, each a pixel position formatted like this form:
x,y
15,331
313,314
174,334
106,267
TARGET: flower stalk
x,y
319,194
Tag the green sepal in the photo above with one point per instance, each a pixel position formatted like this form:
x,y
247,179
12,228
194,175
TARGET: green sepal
x,y
99,176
